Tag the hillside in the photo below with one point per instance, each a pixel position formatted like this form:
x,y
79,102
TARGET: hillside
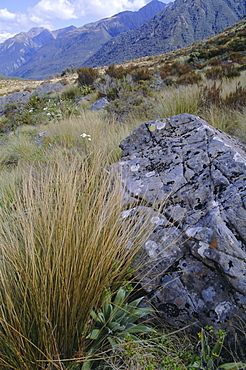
x,y
182,23
225,50
74,47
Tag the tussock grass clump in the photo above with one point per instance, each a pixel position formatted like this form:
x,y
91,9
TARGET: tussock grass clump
x,y
177,100
61,245
18,148
90,133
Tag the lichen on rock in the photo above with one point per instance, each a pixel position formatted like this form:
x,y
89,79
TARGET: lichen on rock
x,y
194,267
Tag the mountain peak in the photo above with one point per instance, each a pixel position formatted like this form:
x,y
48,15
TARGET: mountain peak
x,y
35,31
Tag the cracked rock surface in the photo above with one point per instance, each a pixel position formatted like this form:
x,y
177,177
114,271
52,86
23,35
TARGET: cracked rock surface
x,y
194,263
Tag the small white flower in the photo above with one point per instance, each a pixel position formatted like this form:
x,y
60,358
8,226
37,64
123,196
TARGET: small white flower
x,y
45,108
31,110
48,114
85,135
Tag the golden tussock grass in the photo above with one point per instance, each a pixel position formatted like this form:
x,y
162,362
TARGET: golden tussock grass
x,y
61,244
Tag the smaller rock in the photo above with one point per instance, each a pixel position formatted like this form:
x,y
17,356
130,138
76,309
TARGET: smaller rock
x,y
18,97
99,104
48,88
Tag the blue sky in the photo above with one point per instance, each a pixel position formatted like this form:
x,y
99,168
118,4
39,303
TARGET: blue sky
x,y
21,15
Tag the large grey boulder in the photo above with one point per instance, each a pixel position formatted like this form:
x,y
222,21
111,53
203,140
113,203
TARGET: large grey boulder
x,y
191,180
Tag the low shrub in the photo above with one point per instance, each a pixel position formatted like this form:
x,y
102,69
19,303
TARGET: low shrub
x,y
236,99
86,76
189,79
131,103
214,62
75,92
167,70
242,67
138,74
142,74
235,57
116,72
210,95
213,96
36,102
68,70
232,74
214,73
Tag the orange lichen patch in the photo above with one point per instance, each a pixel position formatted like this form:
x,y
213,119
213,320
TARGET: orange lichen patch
x,y
214,243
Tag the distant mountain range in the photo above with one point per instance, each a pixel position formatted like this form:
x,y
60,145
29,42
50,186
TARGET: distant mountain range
x,y
40,52
18,50
155,29
182,23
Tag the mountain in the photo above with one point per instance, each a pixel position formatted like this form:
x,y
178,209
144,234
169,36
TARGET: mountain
x,y
182,23
17,50
75,46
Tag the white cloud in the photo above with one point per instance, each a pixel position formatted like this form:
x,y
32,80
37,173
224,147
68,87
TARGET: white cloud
x,y
103,8
5,35
11,23
97,9
6,16
50,9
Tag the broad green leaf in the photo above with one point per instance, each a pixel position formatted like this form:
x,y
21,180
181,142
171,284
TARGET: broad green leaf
x,y
114,326
87,365
120,297
100,317
217,347
107,310
119,314
94,334
135,303
138,313
94,315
